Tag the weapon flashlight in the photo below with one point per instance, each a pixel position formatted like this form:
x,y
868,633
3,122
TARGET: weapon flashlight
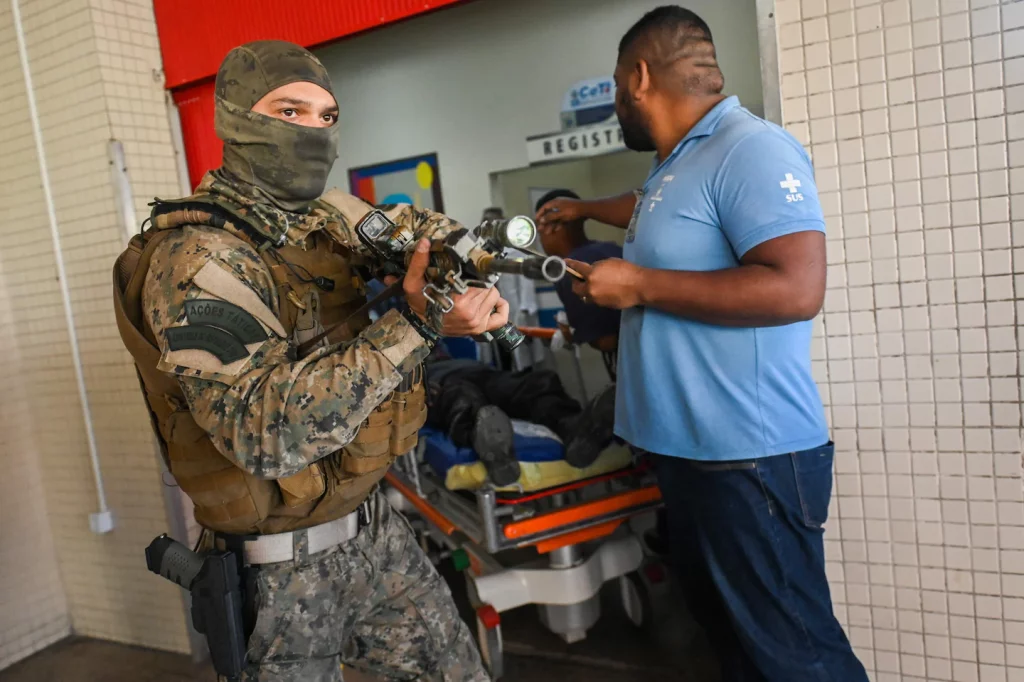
x,y
517,232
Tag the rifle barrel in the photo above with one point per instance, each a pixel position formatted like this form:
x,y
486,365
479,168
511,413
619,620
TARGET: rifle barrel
x,y
549,268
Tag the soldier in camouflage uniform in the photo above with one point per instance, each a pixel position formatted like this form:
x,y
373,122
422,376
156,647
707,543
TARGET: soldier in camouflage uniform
x,y
269,442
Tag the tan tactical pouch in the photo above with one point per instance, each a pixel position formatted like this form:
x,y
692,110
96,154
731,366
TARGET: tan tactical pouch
x,y
369,449
409,414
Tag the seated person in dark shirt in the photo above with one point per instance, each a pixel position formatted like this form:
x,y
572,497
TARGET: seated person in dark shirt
x,y
588,323
591,323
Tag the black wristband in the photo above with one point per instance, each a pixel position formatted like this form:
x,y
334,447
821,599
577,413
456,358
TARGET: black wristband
x,y
429,335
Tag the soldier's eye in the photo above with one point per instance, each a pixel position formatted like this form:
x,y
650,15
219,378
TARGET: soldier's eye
x,y
330,118
289,113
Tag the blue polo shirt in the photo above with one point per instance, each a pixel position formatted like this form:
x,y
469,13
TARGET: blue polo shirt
x,y
702,391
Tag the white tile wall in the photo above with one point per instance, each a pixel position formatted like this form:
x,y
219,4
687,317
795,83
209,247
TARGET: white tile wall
x,y
28,562
917,351
96,66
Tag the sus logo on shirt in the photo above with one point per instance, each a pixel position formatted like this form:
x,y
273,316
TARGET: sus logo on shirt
x,y
790,184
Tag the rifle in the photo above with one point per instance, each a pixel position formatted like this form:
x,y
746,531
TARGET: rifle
x,y
461,259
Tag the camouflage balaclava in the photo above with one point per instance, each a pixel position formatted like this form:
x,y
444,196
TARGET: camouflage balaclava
x,y
286,162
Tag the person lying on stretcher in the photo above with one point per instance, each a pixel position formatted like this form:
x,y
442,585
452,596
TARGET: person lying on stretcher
x,y
474,404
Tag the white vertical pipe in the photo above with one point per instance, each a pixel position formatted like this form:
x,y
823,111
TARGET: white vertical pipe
x,y
51,213
122,189
178,144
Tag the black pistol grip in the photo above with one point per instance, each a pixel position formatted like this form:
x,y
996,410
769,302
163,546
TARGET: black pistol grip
x,y
170,559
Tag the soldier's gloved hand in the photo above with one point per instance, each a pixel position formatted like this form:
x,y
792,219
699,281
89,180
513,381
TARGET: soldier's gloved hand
x,y
476,311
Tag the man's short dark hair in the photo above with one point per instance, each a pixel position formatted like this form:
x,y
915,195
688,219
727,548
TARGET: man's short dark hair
x,y
555,194
678,22
671,33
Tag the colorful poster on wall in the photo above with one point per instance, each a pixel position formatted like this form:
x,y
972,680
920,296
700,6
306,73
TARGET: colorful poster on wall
x,y
415,180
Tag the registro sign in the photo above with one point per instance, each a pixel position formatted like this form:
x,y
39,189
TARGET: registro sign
x,y
577,143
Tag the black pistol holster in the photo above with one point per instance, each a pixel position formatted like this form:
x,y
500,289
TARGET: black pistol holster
x,y
214,580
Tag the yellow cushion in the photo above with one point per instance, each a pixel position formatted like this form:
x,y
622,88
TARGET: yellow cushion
x,y
540,475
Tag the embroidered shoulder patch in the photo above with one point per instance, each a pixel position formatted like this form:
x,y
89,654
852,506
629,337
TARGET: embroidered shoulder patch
x,y
225,316
217,342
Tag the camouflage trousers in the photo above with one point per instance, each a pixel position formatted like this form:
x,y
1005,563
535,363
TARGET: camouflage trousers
x,y
374,603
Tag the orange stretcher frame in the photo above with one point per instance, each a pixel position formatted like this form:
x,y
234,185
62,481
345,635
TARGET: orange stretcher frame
x,y
581,512
546,525
422,506
537,332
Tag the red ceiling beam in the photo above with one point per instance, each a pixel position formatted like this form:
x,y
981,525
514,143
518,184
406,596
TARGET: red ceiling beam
x,y
196,34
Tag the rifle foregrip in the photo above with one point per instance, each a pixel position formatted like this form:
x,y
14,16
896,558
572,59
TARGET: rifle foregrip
x,y
508,337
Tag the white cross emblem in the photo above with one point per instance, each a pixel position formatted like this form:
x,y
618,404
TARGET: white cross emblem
x,y
657,195
654,197
789,184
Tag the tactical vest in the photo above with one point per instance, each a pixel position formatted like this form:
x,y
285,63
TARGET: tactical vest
x,y
227,498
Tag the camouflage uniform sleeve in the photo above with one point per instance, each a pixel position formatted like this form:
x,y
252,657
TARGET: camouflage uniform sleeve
x,y
272,416
423,222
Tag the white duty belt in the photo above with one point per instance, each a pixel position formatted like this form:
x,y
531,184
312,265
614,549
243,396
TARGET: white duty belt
x,y
271,549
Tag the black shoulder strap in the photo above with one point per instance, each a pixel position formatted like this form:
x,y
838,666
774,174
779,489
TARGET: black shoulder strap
x,y
199,210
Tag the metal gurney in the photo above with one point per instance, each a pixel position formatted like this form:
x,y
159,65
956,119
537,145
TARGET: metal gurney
x,y
571,539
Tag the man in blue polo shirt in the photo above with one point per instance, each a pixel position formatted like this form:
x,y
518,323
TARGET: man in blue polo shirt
x,y
724,269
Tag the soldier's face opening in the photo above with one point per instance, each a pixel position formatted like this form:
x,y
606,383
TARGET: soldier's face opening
x,y
301,103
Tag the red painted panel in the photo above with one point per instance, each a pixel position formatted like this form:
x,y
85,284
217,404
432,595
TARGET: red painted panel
x,y
366,190
202,148
196,34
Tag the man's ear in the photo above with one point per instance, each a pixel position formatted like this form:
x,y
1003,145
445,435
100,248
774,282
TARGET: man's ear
x,y
642,74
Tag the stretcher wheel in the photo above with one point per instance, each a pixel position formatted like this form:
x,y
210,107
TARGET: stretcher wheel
x,y
635,599
488,633
645,593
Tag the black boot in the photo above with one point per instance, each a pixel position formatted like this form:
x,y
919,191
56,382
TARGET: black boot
x,y
492,441
593,430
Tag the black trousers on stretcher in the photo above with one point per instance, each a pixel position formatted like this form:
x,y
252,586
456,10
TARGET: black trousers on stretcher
x,y
459,388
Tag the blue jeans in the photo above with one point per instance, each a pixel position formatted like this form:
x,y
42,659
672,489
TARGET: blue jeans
x,y
746,546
